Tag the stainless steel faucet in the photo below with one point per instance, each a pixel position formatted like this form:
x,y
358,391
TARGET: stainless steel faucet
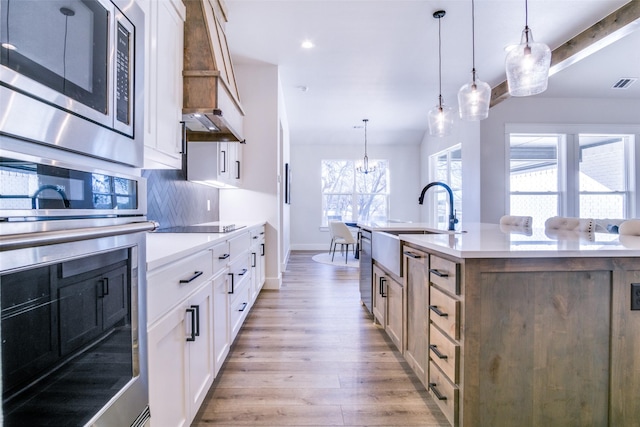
x,y
452,213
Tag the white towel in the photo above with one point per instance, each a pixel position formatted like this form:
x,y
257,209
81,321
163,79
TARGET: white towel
x,y
583,225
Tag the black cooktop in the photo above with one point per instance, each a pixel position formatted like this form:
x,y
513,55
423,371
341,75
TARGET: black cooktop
x,y
200,229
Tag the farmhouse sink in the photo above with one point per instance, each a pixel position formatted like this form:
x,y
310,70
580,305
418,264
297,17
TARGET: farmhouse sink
x,y
387,250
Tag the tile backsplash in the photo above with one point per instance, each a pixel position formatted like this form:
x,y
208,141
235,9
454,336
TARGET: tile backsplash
x,y
173,201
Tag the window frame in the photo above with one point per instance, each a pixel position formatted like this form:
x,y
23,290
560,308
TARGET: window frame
x,y
569,168
354,194
434,199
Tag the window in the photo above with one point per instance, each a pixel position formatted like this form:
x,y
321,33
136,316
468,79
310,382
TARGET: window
x,y
446,167
351,196
581,175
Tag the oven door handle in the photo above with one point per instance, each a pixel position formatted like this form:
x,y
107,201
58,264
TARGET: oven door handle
x,y
42,238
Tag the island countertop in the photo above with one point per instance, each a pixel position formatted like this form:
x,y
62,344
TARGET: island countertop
x,y
483,240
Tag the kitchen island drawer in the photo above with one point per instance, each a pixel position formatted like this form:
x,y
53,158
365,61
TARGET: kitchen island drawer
x,y
444,353
444,311
176,281
444,393
445,274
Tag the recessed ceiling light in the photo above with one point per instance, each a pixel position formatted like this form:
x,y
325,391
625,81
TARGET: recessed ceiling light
x,y
307,44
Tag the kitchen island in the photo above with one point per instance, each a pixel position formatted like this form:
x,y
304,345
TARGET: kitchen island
x,y
522,327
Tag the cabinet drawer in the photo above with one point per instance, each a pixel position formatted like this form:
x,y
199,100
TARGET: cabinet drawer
x,y
444,393
239,303
221,256
239,244
168,285
444,311
444,273
444,353
256,234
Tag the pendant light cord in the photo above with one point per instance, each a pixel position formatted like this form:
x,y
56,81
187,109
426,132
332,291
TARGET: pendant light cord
x,y
440,60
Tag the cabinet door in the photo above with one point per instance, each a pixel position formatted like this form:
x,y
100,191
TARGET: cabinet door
x,y
163,101
379,301
221,330
201,359
115,297
394,317
80,313
417,288
168,369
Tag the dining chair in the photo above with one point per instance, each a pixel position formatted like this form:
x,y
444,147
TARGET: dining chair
x,y
341,235
582,225
516,221
630,227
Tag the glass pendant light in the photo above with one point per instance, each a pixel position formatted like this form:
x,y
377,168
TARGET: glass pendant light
x,y
441,116
527,64
474,97
365,162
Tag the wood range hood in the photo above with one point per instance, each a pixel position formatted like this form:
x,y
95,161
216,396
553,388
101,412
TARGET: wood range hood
x,y
211,102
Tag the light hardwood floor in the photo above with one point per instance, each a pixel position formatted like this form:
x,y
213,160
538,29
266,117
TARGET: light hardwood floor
x,y
309,355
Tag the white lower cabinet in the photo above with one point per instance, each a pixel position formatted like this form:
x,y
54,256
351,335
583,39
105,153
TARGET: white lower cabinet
x,y
221,328
196,307
181,361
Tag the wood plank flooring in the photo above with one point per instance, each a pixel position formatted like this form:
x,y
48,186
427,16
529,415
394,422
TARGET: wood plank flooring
x,y
310,355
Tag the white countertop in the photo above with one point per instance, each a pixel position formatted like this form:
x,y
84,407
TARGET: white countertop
x,y
481,240
163,248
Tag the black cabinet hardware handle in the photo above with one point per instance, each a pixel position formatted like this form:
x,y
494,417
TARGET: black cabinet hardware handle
x,y
255,237
225,256
224,161
105,286
434,308
244,305
382,281
193,324
438,273
197,315
262,232
412,255
253,261
196,274
262,246
231,274
432,387
183,143
237,169
435,350
243,272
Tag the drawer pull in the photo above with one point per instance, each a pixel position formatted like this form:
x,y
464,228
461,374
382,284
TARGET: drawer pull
x,y
255,237
192,311
243,272
382,281
196,274
412,255
225,256
253,259
435,350
231,274
435,309
438,273
432,387
244,305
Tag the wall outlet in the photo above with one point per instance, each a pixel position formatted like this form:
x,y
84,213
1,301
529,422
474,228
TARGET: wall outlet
x,y
208,205
635,296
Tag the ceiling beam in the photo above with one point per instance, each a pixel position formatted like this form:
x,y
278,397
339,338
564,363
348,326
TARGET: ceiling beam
x,y
601,34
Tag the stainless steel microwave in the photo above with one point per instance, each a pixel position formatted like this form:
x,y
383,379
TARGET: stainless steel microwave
x,y
71,75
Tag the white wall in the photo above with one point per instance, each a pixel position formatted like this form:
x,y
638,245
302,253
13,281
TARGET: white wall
x,y
306,204
259,197
543,111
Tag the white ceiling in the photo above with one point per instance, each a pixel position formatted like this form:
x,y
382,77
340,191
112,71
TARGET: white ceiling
x,y
379,59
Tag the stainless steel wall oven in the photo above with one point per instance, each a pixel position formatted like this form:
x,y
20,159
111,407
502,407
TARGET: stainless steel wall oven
x,y
72,290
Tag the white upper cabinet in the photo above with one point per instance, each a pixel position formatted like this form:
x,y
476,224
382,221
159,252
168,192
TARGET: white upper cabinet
x,y
163,85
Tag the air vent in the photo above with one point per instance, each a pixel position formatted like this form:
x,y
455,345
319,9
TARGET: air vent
x,y
624,83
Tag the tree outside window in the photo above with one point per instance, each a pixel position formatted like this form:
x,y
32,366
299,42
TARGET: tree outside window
x,y
352,196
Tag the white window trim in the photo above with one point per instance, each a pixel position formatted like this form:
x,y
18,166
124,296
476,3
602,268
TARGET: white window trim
x,y
572,130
